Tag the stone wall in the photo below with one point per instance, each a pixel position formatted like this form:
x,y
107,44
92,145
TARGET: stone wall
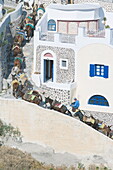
x,y
46,2
62,76
55,130
60,95
5,50
108,6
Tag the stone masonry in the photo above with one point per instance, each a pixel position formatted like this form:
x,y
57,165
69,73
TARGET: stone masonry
x,y
61,53
5,51
65,75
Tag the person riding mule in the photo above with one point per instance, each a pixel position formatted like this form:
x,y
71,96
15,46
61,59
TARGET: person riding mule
x,y
75,105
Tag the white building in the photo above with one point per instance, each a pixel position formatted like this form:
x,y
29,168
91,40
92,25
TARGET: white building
x,y
73,56
1,6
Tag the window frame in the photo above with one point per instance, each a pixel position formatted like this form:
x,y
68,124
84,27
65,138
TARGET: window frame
x,y
61,67
51,24
98,100
99,70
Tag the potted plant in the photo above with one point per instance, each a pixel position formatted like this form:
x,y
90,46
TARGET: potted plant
x,y
104,19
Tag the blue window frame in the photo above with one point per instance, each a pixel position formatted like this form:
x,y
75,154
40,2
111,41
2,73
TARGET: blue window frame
x,y
51,25
98,100
99,70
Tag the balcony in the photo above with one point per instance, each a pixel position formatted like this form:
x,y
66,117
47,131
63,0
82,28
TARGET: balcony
x,y
63,38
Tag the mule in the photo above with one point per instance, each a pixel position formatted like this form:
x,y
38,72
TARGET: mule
x,y
103,128
19,38
28,19
28,4
18,62
29,31
54,104
33,97
15,86
40,11
91,121
16,49
111,134
14,72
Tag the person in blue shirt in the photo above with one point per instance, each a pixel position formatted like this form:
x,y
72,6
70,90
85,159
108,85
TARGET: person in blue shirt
x,y
75,105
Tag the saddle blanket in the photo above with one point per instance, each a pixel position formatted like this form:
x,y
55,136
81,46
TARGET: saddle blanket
x,y
101,125
59,105
22,33
16,46
32,26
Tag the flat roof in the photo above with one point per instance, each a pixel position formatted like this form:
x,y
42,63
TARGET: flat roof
x,y
74,7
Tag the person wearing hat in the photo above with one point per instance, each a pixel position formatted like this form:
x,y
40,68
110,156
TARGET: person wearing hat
x,y
75,105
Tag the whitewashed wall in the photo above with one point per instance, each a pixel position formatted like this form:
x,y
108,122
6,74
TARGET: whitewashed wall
x,y
88,86
11,17
53,129
1,11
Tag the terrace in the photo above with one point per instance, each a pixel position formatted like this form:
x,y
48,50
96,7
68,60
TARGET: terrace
x,y
69,38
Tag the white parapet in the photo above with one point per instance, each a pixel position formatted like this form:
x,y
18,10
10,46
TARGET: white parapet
x,y
1,11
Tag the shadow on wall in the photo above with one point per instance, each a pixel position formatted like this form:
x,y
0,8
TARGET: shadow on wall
x,y
101,15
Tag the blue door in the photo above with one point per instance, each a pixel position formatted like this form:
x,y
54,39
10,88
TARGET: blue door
x,y
48,70
44,70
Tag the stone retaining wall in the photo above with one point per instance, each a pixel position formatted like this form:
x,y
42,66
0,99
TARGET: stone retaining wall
x,y
108,6
53,129
9,32
60,95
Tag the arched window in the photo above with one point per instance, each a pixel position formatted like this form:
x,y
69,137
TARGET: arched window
x,y
98,100
51,25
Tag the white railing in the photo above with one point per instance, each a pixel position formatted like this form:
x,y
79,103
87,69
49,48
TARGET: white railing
x,y
47,37
97,34
68,38
63,38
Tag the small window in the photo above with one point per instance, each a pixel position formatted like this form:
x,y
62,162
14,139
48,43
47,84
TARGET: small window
x,y
99,70
51,25
63,63
98,100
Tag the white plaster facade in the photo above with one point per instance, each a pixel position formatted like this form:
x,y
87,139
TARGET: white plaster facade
x,y
1,10
89,46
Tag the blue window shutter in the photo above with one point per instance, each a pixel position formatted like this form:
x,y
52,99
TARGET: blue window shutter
x,y
92,70
106,68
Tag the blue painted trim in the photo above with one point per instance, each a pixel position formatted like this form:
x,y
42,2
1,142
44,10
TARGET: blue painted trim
x,y
98,100
41,9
